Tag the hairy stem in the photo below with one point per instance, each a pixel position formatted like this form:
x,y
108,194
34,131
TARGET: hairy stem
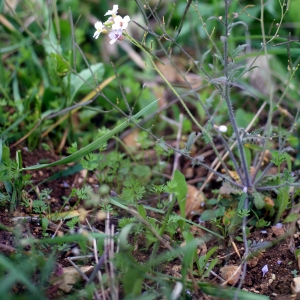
x,y
245,180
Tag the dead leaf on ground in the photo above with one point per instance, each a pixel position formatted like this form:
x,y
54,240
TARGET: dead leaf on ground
x,y
69,277
193,202
131,140
81,213
173,76
295,285
231,274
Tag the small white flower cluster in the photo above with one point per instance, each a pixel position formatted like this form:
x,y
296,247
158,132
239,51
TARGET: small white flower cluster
x,y
115,24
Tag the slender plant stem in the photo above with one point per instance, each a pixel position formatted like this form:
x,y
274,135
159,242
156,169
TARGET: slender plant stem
x,y
245,180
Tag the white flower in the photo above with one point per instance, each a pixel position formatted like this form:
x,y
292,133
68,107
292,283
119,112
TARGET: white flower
x,y
99,26
245,190
120,23
222,128
114,11
115,35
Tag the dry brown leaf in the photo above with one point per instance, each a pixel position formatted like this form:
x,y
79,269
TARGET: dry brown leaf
x,y
269,203
193,202
295,285
173,76
231,274
69,277
131,140
81,213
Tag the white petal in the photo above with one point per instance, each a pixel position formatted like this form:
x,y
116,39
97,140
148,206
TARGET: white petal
x,y
115,27
114,11
99,25
115,8
96,34
126,19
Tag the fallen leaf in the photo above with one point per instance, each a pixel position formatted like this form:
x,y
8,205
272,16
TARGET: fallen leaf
x,y
295,285
69,277
81,212
130,140
193,202
231,274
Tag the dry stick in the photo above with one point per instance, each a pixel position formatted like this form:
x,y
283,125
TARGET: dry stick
x,y
95,250
99,272
57,228
115,294
227,153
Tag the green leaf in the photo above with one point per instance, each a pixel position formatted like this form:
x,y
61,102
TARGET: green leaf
x,y
204,56
181,191
132,282
59,64
243,118
86,80
228,293
188,257
210,267
45,223
209,214
281,202
94,145
142,211
258,200
291,218
239,49
278,158
297,253
238,238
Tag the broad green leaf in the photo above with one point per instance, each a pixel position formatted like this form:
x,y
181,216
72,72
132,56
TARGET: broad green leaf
x,y
86,80
181,191
142,211
258,200
60,66
291,218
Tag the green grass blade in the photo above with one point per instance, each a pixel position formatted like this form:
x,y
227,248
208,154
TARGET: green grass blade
x,y
94,145
228,293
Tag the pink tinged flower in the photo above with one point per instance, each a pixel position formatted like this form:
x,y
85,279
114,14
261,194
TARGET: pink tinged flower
x,y
120,23
114,11
115,35
99,28
265,269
